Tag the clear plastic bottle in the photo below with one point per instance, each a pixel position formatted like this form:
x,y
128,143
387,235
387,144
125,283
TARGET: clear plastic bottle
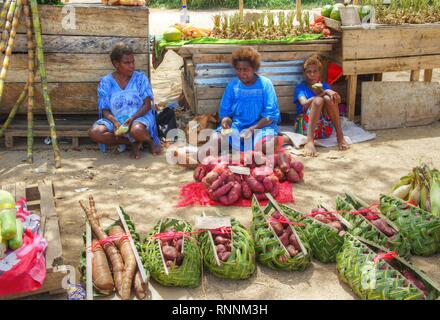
x,y
184,16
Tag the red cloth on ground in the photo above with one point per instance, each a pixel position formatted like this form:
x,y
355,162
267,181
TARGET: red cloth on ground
x,y
334,72
196,194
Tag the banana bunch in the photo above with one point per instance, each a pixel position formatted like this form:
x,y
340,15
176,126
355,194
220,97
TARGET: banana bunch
x,y
421,187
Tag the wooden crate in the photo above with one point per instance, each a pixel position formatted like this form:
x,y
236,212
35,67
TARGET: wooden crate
x,y
76,59
207,70
41,200
384,48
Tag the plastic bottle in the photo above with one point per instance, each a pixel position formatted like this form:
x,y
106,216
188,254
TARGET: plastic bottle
x,y
184,17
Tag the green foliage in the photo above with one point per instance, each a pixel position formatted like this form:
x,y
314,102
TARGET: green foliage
x,y
233,4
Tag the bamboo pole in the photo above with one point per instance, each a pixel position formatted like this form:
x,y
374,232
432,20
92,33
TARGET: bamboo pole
x,y
298,11
43,79
3,13
14,109
31,78
241,7
8,53
8,25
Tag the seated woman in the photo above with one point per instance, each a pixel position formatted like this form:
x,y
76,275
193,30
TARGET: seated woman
x,y
249,107
125,98
317,109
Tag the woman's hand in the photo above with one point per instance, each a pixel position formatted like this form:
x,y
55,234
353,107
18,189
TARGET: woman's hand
x,y
226,123
128,122
116,125
334,96
248,133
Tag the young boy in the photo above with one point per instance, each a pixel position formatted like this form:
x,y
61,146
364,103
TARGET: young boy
x,y
317,108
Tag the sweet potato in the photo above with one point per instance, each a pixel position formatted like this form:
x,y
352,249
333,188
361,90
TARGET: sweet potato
x,y
276,215
288,230
277,227
294,241
282,259
178,244
220,248
220,240
384,227
224,256
283,161
140,288
210,178
279,174
101,275
228,244
235,194
179,258
322,218
256,186
293,176
258,158
292,251
199,173
169,263
275,190
224,200
337,225
260,173
298,166
260,196
246,190
268,185
284,238
169,253
223,190
220,181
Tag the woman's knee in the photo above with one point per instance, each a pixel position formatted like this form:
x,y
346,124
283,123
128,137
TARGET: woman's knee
x,y
96,133
318,102
139,132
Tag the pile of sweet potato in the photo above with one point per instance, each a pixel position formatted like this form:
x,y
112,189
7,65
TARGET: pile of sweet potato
x,y
328,218
223,246
172,249
284,232
266,173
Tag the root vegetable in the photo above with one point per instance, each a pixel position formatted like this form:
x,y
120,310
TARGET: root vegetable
x,y
294,241
178,244
322,218
228,245
210,178
337,225
260,173
170,229
101,275
288,230
268,185
298,166
284,238
260,196
224,256
275,190
293,176
179,258
222,191
169,253
415,281
130,265
341,233
384,227
220,240
220,248
256,186
140,288
235,194
284,161
169,263
220,181
279,174
292,251
277,227
276,215
199,173
282,259
246,190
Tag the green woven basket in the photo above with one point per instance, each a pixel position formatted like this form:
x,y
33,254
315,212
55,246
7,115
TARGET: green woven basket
x,y
241,262
270,251
324,240
364,228
420,227
186,275
382,279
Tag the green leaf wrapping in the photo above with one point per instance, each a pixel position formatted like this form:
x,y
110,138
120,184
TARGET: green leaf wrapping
x,y
363,228
420,227
241,262
381,280
186,275
268,247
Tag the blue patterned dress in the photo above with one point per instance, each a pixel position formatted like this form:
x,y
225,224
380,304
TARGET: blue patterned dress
x,y
246,105
125,103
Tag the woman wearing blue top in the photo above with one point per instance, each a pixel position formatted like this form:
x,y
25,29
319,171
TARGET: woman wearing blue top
x,y
125,98
249,107
317,109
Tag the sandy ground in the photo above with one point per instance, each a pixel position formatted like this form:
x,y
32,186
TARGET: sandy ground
x,y
148,189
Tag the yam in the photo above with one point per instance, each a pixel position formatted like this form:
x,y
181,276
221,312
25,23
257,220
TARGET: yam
x,y
228,245
288,230
140,287
199,173
260,196
220,240
298,166
246,190
222,191
179,258
268,185
220,181
284,238
279,174
277,227
275,190
210,178
224,256
169,253
294,241
260,173
178,244
235,194
101,274
256,186
337,225
292,176
283,161
291,250
220,248
276,215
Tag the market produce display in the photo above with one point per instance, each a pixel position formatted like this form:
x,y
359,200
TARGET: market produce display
x,y
370,224
324,231
172,255
410,11
114,266
420,187
11,228
229,252
421,228
375,273
279,242
265,176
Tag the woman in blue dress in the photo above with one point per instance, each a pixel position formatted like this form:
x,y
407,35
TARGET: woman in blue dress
x,y
249,107
125,98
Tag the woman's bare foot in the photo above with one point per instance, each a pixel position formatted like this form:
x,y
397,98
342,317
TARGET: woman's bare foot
x,y
156,149
343,145
136,150
310,149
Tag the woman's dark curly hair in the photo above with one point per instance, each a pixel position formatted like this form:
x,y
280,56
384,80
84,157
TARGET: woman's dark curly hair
x,y
247,54
119,50
313,60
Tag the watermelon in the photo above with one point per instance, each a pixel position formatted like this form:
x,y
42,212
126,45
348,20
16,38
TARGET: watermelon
x,y
335,15
172,34
7,201
326,10
364,11
8,224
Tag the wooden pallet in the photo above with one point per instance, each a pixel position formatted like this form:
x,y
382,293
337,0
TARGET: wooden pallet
x,y
73,128
41,201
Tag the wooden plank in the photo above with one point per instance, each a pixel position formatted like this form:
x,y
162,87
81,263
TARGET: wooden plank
x,y
229,71
70,67
277,80
192,49
217,92
81,44
10,188
419,104
189,94
351,96
92,20
393,41
427,75
378,76
20,190
89,258
54,252
390,64
415,75
266,56
45,133
65,98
